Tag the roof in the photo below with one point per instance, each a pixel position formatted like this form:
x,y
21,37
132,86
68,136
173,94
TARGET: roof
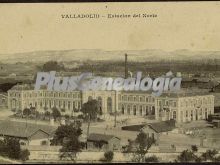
x,y
21,87
136,127
163,126
215,121
95,137
185,93
23,130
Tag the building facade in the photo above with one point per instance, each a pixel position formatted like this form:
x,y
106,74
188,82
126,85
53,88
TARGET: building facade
x,y
181,107
184,107
3,100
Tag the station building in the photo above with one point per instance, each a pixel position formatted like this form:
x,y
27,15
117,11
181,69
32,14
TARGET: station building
x,y
182,107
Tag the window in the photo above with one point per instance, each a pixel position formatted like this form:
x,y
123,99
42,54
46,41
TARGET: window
x,y
174,103
147,99
141,99
128,112
140,110
22,143
135,98
44,142
152,135
160,103
174,114
123,109
134,110
68,104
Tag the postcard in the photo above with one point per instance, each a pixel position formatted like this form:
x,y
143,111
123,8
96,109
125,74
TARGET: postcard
x,y
110,82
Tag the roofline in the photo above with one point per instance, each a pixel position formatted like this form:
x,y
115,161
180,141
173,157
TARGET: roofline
x,y
37,131
24,137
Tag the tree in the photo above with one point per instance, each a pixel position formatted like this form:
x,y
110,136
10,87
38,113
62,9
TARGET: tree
x,y
10,147
151,159
55,113
209,155
45,108
68,137
109,156
67,116
52,66
143,145
63,110
189,155
24,155
194,148
186,156
91,110
47,114
27,112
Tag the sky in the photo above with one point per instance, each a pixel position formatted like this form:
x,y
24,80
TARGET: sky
x,y
179,25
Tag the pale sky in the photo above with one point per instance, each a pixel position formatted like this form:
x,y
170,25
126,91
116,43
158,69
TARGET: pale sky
x,y
182,25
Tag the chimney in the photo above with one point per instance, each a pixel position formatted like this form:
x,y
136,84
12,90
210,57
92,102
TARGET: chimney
x,y
126,66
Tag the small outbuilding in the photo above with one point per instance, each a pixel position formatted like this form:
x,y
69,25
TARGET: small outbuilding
x,y
103,142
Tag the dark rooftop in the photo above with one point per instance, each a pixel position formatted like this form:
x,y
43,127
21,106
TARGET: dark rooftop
x,y
23,130
100,137
163,126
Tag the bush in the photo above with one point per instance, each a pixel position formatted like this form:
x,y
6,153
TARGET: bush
x,y
151,159
108,156
10,147
24,155
194,148
209,155
66,116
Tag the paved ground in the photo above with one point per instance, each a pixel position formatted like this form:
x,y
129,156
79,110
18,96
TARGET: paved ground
x,y
4,113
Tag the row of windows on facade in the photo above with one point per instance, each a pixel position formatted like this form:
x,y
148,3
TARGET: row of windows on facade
x,y
136,98
46,94
194,102
201,112
50,104
135,111
140,107
167,103
186,103
187,113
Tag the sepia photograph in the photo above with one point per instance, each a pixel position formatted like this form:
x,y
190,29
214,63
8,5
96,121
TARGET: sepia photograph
x,y
125,82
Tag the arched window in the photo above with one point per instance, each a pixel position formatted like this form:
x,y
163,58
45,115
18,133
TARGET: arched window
x,y
129,110
134,110
153,110
122,109
174,114
100,103
109,105
140,110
